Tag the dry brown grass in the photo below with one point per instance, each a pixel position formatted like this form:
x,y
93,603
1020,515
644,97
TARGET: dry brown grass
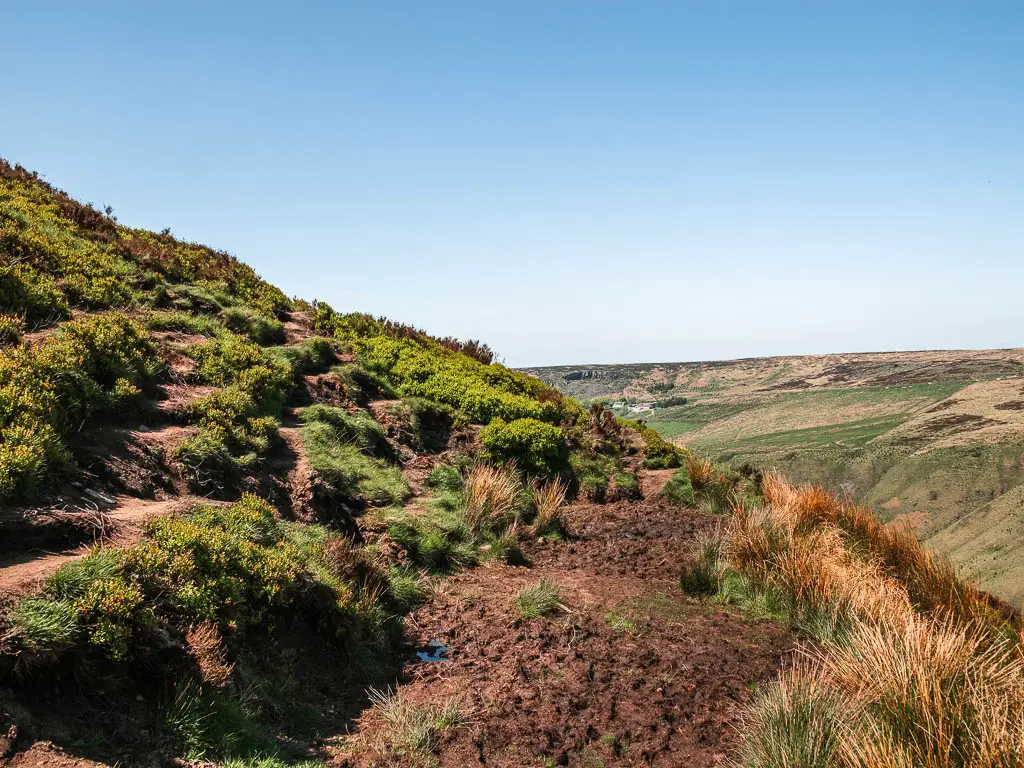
x,y
815,568
929,694
549,498
491,495
207,648
702,472
925,672
929,578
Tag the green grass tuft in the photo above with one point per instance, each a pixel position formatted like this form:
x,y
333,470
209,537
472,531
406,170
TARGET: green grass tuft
x,y
537,600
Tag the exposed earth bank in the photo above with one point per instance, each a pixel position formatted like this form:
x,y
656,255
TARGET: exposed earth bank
x,y
626,671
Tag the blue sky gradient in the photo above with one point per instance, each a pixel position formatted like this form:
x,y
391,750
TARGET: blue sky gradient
x,y
572,182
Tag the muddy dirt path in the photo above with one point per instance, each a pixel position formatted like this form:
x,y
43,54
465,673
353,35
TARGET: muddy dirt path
x,y
628,672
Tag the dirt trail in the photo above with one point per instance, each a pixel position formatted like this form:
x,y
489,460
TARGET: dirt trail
x,y
25,572
127,460
629,671
652,481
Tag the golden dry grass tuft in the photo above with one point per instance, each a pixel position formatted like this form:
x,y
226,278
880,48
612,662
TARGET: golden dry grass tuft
x,y
492,494
207,649
913,666
702,472
549,498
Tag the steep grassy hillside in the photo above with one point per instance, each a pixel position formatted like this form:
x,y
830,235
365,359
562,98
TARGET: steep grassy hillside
x,y
937,437
207,487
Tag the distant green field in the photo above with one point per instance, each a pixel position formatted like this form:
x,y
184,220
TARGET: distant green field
x,y
672,429
852,433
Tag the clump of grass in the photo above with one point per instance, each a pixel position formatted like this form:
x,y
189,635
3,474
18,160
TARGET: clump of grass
x,y
458,527
548,499
929,579
446,477
359,428
538,599
797,721
347,472
912,666
348,452
702,485
702,571
406,586
411,729
44,626
260,328
313,355
177,320
362,385
492,497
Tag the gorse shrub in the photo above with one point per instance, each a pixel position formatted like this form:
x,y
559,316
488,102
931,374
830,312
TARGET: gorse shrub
x,y
237,422
49,389
11,329
479,392
535,447
60,253
658,452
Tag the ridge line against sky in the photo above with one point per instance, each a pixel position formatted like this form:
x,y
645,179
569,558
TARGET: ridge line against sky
x,y
565,181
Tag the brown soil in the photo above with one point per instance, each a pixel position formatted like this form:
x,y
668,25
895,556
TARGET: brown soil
x,y
44,754
653,481
297,328
629,671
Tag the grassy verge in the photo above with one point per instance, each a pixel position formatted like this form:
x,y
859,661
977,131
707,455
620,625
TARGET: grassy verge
x,y
911,665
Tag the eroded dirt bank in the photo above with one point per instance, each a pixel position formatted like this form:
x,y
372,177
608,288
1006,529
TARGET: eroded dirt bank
x,y
629,671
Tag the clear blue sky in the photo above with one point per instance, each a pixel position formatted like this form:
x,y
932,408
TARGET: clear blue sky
x,y
571,182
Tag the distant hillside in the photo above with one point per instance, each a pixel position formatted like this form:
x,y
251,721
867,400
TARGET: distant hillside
x,y
937,435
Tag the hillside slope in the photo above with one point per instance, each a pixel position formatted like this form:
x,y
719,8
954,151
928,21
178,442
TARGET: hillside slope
x,y
248,531
937,437
208,488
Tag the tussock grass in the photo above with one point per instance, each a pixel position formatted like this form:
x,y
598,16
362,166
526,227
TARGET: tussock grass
x,y
912,666
793,723
702,571
702,484
460,527
334,443
929,578
548,499
408,728
537,599
492,496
